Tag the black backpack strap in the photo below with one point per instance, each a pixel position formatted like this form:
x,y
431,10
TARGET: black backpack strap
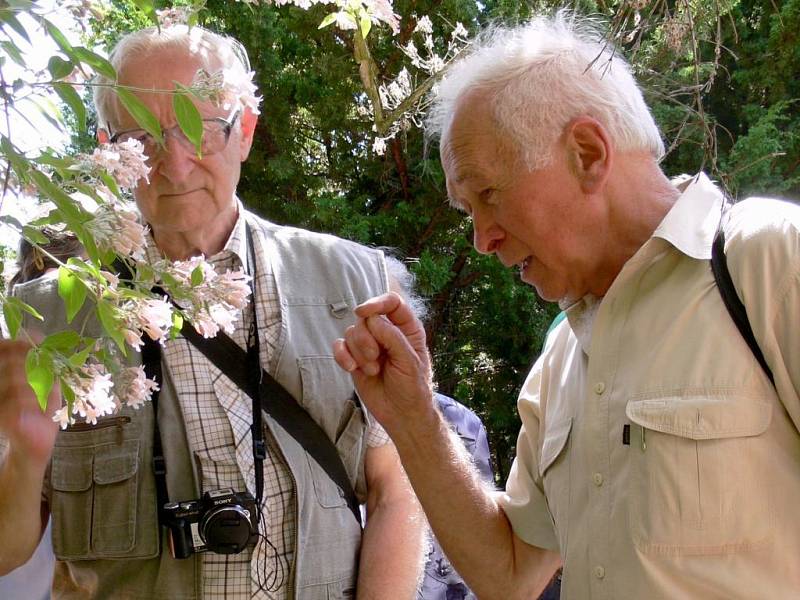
x,y
733,303
229,358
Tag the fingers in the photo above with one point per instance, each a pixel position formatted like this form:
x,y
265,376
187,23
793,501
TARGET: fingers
x,y
395,309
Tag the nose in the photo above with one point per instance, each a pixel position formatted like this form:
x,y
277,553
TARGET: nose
x,y
175,161
486,234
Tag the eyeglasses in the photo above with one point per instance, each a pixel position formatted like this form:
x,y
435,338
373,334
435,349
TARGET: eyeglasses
x,y
216,133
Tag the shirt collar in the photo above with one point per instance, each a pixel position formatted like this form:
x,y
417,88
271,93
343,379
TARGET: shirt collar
x,y
691,223
235,246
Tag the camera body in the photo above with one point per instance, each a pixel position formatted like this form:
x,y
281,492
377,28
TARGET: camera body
x,y
222,521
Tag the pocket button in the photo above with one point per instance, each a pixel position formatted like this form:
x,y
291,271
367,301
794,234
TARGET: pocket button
x,y
599,572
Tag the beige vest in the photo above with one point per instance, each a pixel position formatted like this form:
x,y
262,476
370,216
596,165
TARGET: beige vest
x,y
101,487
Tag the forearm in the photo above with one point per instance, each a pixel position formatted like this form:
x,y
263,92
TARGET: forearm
x,y
473,530
20,509
392,551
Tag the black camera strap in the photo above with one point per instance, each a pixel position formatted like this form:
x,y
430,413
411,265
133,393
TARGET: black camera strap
x,y
243,368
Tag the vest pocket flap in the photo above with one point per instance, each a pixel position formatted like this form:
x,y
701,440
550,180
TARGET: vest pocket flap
x,y
117,465
702,417
72,470
555,440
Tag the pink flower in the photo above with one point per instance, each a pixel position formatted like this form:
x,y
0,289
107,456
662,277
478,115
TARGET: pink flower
x,y
118,229
133,388
124,161
381,10
154,317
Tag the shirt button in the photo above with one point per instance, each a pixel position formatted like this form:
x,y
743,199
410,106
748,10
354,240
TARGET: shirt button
x,y
598,479
599,572
599,387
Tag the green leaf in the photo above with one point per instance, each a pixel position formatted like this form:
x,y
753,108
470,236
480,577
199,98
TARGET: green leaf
x,y
59,38
18,161
12,311
177,324
9,220
7,16
197,276
59,68
63,341
12,50
72,291
140,113
34,236
327,20
69,395
78,359
13,316
72,99
365,24
97,62
110,323
39,369
70,210
146,6
29,309
189,120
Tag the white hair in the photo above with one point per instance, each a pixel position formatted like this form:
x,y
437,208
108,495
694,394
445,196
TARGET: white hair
x,y
403,281
541,75
213,51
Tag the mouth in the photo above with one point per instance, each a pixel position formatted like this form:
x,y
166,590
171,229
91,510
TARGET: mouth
x,y
523,264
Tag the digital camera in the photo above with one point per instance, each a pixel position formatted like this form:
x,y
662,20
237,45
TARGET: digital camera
x,y
222,521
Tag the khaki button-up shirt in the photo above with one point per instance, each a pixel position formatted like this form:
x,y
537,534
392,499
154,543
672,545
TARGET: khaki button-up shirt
x,y
655,455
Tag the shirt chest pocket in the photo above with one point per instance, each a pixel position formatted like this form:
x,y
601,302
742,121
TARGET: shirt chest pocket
x,y
697,475
102,504
554,467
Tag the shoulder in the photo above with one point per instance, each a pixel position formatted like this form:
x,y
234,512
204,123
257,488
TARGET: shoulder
x,y
296,239
763,235
458,416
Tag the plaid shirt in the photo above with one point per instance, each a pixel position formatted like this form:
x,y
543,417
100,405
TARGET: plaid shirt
x,y
218,416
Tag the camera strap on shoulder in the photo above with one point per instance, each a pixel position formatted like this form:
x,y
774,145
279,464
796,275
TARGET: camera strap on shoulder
x,y
733,303
243,368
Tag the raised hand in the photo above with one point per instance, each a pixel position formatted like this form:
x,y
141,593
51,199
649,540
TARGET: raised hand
x,y
31,433
385,352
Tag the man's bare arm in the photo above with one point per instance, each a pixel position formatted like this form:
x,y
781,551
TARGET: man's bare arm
x,y
386,354
392,552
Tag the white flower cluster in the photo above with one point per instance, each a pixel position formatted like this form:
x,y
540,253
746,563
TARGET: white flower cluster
x,y
152,316
381,10
97,394
124,161
432,62
213,304
239,87
117,227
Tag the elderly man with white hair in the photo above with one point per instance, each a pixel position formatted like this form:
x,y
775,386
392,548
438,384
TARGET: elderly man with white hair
x,y
216,491
657,458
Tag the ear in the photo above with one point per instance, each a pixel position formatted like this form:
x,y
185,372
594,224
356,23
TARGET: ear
x,y
102,136
249,120
590,153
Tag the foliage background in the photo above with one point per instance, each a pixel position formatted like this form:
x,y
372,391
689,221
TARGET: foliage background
x,y
719,74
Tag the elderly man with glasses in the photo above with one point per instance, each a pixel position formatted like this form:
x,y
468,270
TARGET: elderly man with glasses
x,y
114,536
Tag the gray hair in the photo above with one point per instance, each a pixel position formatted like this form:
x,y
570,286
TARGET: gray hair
x,y
403,281
543,74
213,50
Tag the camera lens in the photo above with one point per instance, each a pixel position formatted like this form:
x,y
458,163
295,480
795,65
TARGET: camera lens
x,y
226,529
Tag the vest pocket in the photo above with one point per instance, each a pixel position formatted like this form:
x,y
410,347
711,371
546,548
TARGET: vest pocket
x,y
696,475
102,502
